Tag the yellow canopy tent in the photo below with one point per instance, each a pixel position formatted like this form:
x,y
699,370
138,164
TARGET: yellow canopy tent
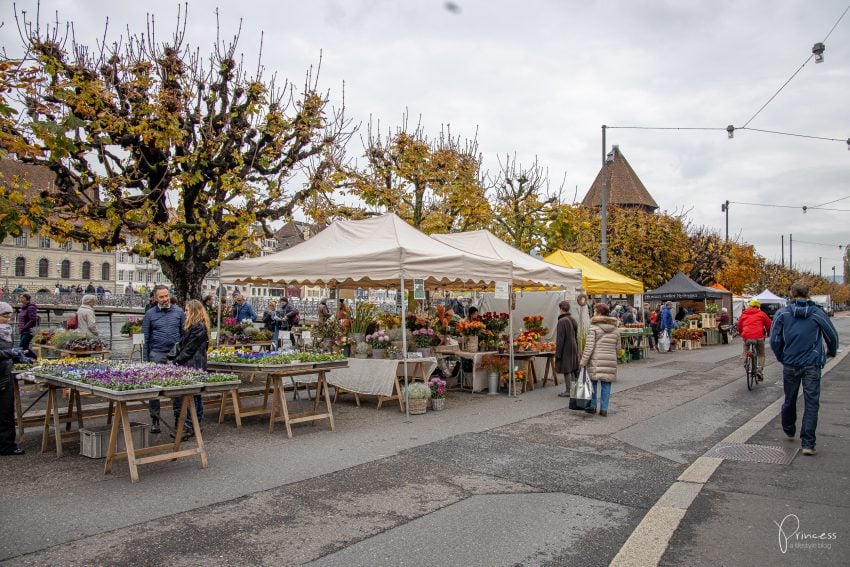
x,y
596,278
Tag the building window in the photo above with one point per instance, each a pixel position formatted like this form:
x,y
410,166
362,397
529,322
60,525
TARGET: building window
x,y
43,242
104,271
129,275
66,269
21,240
65,246
122,258
120,275
86,270
20,267
159,277
43,268
86,247
148,277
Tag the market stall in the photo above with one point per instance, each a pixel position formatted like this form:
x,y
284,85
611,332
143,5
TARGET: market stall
x,y
596,278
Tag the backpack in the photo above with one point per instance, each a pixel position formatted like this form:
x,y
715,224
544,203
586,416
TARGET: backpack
x,y
72,322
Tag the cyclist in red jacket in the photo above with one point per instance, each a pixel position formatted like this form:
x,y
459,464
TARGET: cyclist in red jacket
x,y
754,324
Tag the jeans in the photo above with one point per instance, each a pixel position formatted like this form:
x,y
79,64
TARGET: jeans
x,y
604,398
26,339
161,358
199,408
792,376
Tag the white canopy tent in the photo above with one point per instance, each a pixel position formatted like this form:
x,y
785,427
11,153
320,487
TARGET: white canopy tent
x,y
382,251
768,296
528,271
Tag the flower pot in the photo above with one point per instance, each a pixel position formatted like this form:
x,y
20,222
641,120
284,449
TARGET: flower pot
x,y
417,406
378,353
438,404
426,351
471,344
358,337
492,383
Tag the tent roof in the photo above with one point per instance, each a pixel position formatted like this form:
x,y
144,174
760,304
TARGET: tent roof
x,y
525,267
768,296
376,252
596,278
681,286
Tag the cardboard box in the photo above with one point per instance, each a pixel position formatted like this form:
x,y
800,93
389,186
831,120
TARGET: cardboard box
x,y
94,441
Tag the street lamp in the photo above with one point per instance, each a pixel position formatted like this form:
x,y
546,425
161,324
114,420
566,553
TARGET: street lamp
x,y
58,273
6,265
833,274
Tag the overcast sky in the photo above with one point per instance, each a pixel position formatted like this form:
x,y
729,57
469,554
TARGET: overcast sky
x,y
539,78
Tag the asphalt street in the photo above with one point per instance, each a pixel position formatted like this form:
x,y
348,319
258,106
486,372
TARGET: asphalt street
x,y
489,481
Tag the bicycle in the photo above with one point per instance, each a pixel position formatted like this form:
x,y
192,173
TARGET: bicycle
x,y
751,363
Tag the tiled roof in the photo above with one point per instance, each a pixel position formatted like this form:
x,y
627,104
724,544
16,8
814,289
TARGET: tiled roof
x,y
39,177
625,189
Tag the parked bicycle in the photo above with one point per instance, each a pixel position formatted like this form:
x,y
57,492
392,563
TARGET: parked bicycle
x,y
751,363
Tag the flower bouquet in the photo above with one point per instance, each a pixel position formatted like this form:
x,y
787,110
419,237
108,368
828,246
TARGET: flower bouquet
x,y
378,339
470,328
423,338
533,322
496,322
494,363
417,395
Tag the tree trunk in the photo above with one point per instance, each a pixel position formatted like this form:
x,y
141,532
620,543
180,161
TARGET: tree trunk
x,y
187,276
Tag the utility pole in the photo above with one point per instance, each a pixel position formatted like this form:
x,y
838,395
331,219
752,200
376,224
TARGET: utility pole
x,y
603,253
790,251
820,266
783,250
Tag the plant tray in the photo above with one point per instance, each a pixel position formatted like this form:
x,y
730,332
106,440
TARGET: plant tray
x,y
222,386
94,441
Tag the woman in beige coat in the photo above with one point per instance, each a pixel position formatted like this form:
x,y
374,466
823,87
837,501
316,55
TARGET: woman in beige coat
x,y
86,320
600,356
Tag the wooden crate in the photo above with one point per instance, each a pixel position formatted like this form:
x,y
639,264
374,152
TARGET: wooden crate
x,y
709,321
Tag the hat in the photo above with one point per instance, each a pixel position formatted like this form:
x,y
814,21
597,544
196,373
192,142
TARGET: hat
x,y
5,308
755,303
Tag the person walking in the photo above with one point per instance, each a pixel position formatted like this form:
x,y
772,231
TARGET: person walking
x,y
802,338
192,353
162,327
754,325
666,325
566,346
600,357
723,324
8,356
27,321
86,320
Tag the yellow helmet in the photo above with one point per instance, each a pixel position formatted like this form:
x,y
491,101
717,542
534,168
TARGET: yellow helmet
x,y
755,303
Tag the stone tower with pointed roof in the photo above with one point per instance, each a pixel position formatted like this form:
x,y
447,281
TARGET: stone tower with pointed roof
x,y
625,189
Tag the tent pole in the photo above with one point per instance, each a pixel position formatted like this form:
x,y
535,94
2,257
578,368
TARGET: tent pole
x,y
404,347
511,376
218,311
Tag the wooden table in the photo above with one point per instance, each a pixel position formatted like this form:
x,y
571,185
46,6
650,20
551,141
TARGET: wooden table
x,y
526,357
549,366
639,340
135,457
231,403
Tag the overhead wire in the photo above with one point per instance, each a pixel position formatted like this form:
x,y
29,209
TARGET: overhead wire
x,y
794,74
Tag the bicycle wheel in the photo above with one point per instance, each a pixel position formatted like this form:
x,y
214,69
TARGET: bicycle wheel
x,y
750,366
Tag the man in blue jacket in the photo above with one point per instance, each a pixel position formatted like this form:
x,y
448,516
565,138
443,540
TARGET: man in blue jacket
x,y
162,327
242,310
797,339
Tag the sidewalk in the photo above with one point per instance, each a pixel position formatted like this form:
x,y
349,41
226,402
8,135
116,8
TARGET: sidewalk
x,y
755,513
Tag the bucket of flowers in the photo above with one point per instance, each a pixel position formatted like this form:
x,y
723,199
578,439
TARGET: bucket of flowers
x,y
496,322
533,322
379,341
471,330
438,393
133,326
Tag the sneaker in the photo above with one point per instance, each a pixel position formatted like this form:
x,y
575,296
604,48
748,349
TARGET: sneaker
x,y
603,413
809,452
789,436
590,410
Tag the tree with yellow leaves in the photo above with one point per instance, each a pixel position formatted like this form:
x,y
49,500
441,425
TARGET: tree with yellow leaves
x,y
743,268
149,140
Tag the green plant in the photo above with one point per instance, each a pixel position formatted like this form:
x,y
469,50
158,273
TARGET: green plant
x,y
133,326
62,338
364,315
362,349
417,391
711,309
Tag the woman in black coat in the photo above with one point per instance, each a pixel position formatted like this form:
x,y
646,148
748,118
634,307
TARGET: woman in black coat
x,y
192,353
7,387
566,346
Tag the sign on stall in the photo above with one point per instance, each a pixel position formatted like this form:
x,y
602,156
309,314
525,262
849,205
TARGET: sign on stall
x,y
503,290
306,336
418,289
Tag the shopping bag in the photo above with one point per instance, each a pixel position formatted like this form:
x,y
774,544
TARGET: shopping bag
x,y
581,392
664,341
